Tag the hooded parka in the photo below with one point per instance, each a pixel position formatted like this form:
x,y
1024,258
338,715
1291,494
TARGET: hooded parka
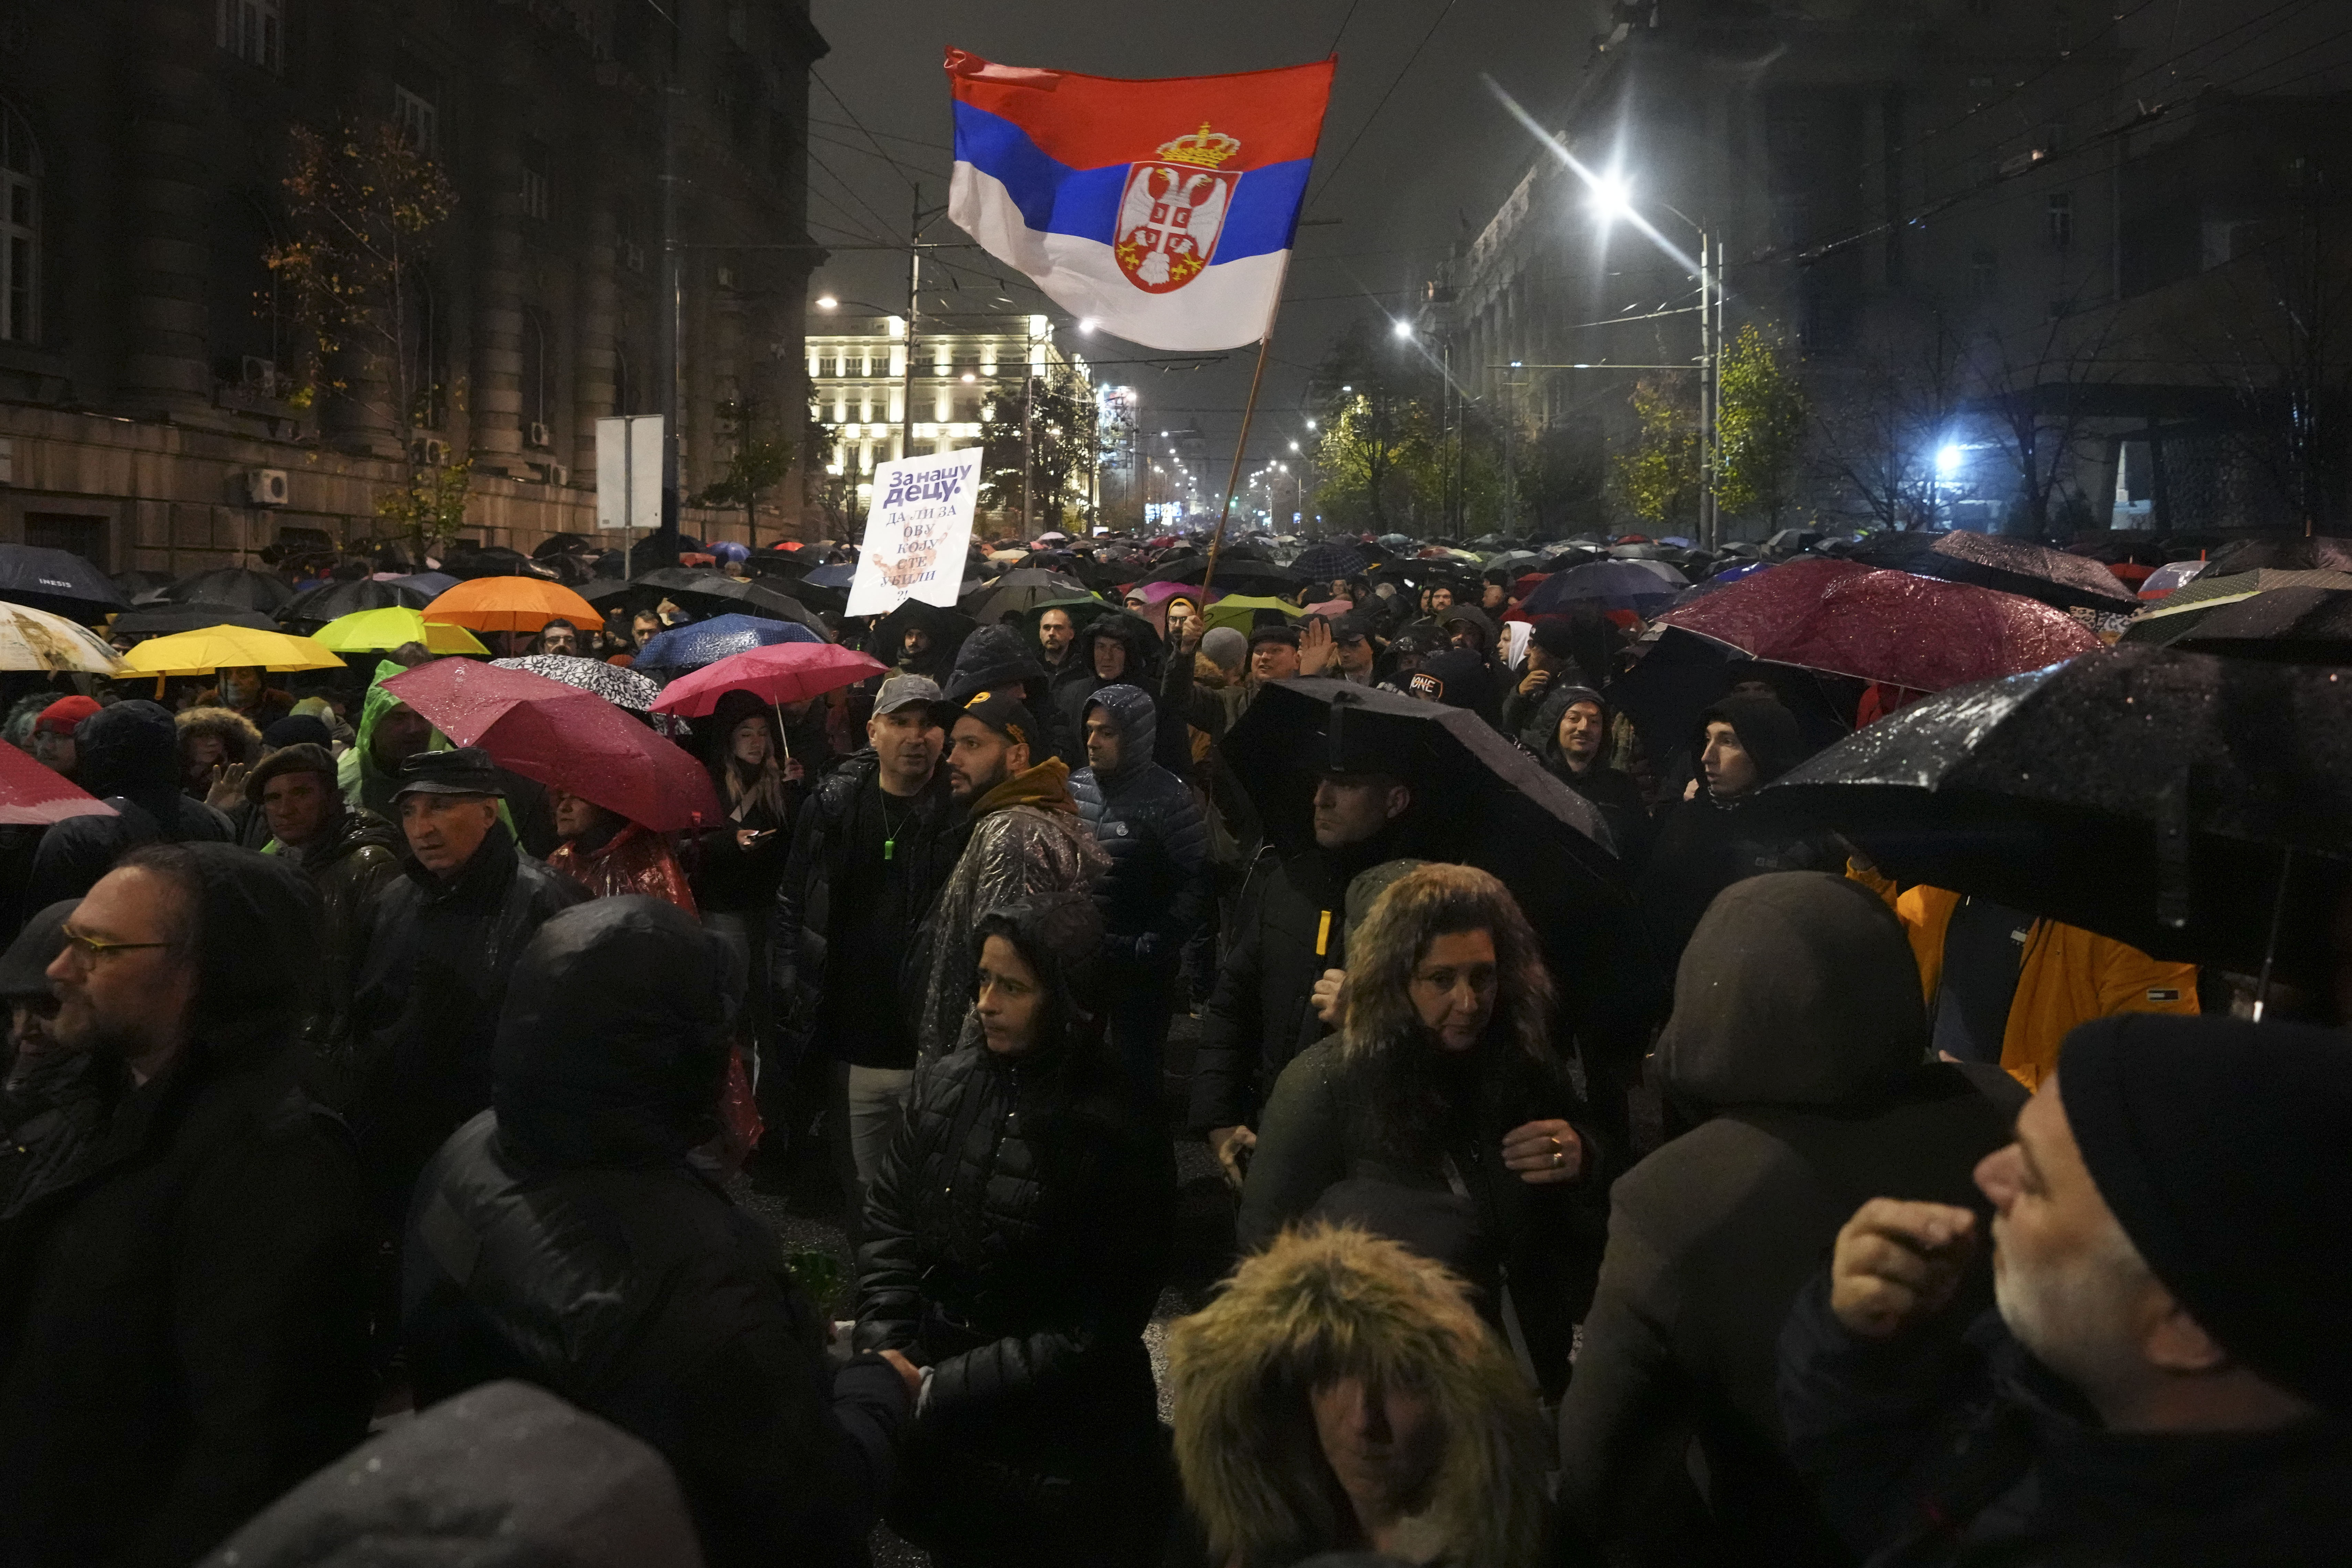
x,y
1157,891
1148,666
1799,1044
184,1324
997,657
564,1239
129,758
1611,790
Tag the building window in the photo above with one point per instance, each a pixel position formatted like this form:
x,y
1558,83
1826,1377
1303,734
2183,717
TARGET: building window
x,y
2058,221
20,229
255,32
1984,273
417,118
538,180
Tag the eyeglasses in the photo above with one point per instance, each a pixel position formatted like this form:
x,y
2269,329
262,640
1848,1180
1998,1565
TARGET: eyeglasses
x,y
91,950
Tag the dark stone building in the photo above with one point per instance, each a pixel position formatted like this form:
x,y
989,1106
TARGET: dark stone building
x,y
144,340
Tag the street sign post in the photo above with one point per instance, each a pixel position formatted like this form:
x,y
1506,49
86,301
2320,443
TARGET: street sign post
x,y
629,476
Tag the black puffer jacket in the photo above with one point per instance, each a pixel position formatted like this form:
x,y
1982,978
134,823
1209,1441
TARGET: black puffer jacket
x,y
562,1237
183,1322
426,1007
1018,1233
1157,892
799,934
131,759
727,877
353,860
1148,666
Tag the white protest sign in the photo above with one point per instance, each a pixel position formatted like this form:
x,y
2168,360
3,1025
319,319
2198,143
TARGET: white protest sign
x,y
918,533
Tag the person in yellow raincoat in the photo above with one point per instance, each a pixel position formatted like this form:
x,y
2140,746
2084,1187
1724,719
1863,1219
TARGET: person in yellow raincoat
x,y
2063,975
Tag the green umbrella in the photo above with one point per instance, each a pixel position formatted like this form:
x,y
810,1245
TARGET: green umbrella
x,y
1240,611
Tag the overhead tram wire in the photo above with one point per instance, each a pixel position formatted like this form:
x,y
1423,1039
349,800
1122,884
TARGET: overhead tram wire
x,y
1446,10
818,76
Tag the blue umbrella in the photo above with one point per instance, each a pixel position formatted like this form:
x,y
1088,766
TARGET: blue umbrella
x,y
1644,587
708,642
839,575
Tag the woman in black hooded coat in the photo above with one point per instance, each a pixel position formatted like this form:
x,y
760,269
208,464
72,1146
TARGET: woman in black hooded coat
x,y
1017,1235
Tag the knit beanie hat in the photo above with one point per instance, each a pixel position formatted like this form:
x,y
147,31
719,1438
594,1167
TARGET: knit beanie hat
x,y
61,716
2224,1149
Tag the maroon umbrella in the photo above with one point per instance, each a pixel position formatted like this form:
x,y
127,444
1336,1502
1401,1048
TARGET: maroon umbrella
x,y
1890,626
32,794
563,736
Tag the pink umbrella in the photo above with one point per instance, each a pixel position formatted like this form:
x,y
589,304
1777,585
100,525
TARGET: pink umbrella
x,y
563,736
32,794
1158,593
784,672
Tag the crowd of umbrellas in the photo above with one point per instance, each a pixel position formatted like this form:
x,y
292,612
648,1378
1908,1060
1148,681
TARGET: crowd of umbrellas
x,y
2135,738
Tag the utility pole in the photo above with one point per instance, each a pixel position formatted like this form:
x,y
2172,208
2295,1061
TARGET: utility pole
x,y
670,347
914,305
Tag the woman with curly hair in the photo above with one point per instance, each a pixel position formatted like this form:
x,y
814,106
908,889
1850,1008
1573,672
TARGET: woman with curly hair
x,y
1341,1395
1442,1115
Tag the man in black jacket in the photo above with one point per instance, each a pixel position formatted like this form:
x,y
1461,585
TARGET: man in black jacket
x,y
129,756
875,841
437,945
1116,648
1157,892
182,1324
1287,936
2165,1379
564,1236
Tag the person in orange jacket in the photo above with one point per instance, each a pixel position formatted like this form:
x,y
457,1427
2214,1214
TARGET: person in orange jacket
x,y
1998,975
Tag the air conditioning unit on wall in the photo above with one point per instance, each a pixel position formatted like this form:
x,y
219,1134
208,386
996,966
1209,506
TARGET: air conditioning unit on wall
x,y
537,434
265,487
430,451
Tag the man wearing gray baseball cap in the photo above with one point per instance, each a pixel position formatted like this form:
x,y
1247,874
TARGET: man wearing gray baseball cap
x,y
867,858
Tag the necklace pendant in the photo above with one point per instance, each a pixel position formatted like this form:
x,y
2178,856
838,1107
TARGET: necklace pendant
x,y
889,846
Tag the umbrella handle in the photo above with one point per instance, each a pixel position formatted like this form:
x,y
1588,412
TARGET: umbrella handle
x,y
782,739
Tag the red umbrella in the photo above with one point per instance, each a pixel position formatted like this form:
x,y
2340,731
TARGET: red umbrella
x,y
1916,631
32,794
563,736
783,672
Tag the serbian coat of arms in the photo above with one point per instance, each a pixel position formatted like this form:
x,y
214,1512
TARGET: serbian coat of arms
x,y
1173,207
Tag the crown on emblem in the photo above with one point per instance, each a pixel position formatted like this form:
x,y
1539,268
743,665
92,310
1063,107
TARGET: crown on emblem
x,y
1205,147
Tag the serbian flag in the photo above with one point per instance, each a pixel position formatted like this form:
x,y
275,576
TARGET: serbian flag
x,y
1164,210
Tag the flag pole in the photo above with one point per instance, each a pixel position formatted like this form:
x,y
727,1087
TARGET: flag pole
x,y
1249,411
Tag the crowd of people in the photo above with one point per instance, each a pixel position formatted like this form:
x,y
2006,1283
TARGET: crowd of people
x,y
354,1079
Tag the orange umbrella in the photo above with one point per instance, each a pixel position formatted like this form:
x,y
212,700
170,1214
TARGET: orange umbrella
x,y
511,604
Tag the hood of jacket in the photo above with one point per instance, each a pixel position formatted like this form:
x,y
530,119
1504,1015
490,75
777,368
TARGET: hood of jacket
x,y
240,741
131,749
1321,1300
1798,989
1768,730
612,1043
991,659
1143,647
1541,734
257,956
1045,786
1138,717
364,783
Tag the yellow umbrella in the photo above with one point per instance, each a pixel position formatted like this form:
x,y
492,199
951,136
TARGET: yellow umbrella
x,y
222,647
375,631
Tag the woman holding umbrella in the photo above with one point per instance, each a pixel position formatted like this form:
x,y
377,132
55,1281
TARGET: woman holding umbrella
x,y
739,863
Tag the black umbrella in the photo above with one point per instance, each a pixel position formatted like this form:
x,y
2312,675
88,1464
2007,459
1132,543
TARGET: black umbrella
x,y
1683,673
1022,588
331,600
1478,800
2196,808
2319,552
1241,575
2014,566
162,620
236,586
59,582
1322,562
718,592
948,629
2294,625
140,580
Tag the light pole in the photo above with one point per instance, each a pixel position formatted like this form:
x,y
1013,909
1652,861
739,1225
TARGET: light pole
x,y
1612,197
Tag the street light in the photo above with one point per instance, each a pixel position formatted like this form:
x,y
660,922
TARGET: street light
x,y
1404,329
